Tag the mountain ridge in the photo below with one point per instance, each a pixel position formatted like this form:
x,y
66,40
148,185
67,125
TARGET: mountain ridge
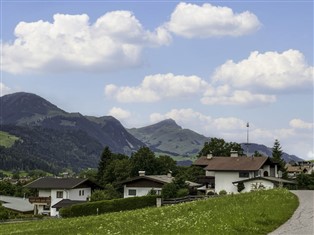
x,y
37,116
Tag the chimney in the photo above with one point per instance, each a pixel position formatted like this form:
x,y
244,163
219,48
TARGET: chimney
x,y
169,174
233,153
141,173
209,156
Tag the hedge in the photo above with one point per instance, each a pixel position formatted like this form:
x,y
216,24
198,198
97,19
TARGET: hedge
x,y
101,207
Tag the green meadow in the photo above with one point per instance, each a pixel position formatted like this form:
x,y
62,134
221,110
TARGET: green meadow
x,y
257,212
7,140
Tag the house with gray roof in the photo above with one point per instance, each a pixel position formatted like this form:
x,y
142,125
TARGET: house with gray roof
x,y
141,185
55,193
228,172
18,204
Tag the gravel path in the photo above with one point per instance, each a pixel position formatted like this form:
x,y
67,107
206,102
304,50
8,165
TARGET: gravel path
x,y
302,221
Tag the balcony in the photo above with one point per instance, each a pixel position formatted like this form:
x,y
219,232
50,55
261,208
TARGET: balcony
x,y
41,200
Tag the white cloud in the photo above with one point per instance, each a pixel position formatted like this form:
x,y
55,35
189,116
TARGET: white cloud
x,y
300,124
156,87
271,71
237,97
71,42
119,113
4,90
194,21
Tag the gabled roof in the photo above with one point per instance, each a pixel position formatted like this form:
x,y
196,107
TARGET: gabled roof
x,y
60,183
66,202
232,163
163,179
16,203
156,178
268,178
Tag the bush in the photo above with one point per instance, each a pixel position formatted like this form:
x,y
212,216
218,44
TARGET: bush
x,y
182,192
169,191
222,192
101,207
4,214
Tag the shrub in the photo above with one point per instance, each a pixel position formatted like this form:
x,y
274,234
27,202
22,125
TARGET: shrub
x,y
101,207
182,192
222,192
169,191
4,214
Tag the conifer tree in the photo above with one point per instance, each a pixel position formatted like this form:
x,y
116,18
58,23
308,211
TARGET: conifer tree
x,y
277,158
105,158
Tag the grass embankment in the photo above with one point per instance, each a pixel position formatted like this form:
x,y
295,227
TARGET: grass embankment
x,y
7,140
249,213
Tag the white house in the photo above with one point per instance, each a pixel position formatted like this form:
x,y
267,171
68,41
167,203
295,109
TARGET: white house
x,y
143,184
229,171
55,193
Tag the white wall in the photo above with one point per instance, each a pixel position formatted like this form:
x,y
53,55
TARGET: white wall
x,y
223,181
44,193
249,185
139,191
74,194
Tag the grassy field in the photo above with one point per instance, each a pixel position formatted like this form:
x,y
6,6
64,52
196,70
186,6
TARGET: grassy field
x,y
249,213
6,139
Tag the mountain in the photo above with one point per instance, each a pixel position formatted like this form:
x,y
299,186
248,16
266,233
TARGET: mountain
x,y
169,138
51,139
267,151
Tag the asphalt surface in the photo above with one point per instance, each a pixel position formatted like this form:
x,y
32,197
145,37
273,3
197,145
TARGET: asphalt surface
x,y
302,221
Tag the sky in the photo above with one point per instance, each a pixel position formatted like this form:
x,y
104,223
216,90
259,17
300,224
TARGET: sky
x,y
212,66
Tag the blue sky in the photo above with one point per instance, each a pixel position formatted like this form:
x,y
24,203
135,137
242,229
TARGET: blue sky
x,y
212,66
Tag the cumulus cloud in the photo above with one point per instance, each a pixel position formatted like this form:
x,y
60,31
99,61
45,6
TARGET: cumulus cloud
x,y
156,87
270,71
4,90
194,21
300,124
119,113
71,42
258,79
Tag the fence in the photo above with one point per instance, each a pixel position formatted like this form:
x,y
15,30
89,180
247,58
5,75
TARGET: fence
x,y
188,198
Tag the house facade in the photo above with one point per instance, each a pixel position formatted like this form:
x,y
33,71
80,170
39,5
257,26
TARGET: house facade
x,y
143,184
228,171
52,191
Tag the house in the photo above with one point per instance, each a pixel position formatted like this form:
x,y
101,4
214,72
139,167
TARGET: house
x,y
296,168
18,204
55,193
143,184
229,171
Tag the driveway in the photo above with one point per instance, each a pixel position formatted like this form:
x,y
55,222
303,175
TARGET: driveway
x,y
302,221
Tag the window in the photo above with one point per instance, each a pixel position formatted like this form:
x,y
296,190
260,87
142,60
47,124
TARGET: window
x,y
132,192
59,194
81,193
158,192
244,174
46,208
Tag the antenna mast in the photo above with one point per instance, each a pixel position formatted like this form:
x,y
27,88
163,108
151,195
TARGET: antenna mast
x,y
247,139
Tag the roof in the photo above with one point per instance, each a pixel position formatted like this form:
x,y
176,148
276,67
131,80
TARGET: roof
x,y
59,183
164,179
16,203
271,179
66,202
156,178
232,163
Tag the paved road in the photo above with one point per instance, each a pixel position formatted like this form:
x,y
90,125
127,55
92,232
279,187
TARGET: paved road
x,y
302,221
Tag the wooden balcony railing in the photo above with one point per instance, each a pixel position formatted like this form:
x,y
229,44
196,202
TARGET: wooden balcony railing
x,y
45,200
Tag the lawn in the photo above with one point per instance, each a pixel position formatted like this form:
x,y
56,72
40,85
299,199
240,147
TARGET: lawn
x,y
248,213
7,140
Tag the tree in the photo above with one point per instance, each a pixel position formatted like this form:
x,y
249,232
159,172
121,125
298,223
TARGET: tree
x,y
105,158
218,147
165,164
143,160
257,154
240,186
277,158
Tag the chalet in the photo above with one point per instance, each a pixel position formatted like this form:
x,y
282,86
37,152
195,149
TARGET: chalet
x,y
294,169
225,173
143,184
55,193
